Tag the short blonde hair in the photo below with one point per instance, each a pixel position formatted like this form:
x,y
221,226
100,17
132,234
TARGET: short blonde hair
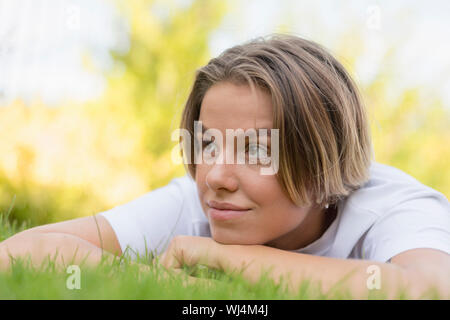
x,y
325,147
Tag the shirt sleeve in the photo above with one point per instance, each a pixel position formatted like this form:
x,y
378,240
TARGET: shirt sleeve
x,y
146,225
422,221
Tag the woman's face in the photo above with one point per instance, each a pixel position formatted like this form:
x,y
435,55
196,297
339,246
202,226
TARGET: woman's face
x,y
270,217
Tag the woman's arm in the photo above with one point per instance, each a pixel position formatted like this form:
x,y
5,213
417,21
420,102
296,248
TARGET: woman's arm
x,y
64,249
68,250
82,236
331,273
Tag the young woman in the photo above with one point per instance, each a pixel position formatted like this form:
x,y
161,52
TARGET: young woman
x,y
328,212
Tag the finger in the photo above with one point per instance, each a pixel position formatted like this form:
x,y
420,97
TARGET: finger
x,y
169,259
190,251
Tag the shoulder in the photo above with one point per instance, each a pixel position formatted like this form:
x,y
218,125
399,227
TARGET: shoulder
x,y
389,188
187,188
149,221
394,212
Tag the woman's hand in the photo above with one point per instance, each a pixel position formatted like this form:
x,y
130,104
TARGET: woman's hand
x,y
231,259
192,251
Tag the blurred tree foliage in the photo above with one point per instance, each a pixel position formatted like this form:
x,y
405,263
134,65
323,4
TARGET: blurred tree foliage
x,y
77,160
410,126
412,133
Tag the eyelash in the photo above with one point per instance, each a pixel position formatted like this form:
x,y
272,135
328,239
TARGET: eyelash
x,y
206,143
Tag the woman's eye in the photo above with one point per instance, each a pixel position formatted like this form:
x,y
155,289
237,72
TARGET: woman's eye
x,y
254,151
257,151
209,146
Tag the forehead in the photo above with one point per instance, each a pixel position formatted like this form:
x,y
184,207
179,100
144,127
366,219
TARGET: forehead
x,y
231,106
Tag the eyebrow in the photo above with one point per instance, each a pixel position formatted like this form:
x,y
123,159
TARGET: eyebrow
x,y
268,130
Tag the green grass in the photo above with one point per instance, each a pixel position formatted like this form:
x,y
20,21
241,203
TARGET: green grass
x,y
9,227
123,279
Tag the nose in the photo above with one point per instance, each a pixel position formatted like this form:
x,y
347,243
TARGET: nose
x,y
222,177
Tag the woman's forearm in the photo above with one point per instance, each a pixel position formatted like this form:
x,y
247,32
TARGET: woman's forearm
x,y
63,249
329,273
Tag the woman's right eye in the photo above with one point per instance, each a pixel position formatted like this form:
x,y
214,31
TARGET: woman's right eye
x,y
209,146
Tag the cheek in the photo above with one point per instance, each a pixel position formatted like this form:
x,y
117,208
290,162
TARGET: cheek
x,y
200,179
272,203
200,175
264,191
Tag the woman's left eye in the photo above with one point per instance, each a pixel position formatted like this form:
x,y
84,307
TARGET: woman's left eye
x,y
257,151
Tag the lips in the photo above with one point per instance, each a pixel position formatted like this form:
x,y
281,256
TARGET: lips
x,y
225,206
225,211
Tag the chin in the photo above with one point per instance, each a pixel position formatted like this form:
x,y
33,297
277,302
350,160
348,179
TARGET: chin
x,y
229,237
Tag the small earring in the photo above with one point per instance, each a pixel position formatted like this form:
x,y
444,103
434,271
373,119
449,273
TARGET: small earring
x,y
326,206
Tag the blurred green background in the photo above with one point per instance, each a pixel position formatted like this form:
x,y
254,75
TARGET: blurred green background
x,y
71,155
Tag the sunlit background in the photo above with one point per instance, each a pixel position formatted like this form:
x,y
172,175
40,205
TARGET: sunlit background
x,y
91,90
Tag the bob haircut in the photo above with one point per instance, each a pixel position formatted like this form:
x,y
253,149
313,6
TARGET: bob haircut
x,y
325,146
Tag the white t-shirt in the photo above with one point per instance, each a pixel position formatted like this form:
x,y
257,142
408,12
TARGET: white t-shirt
x,y
391,213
